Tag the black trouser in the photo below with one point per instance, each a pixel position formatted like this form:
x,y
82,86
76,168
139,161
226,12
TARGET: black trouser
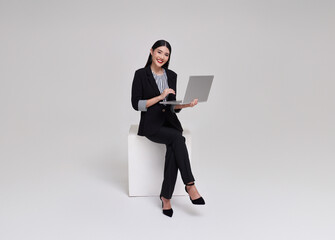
x,y
176,158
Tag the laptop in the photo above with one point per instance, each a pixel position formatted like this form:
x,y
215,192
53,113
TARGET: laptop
x,y
198,87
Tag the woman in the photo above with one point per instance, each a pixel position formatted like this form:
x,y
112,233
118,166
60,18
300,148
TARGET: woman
x,y
153,84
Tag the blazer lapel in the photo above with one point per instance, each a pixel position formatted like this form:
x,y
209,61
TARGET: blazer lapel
x,y
172,84
152,80
169,78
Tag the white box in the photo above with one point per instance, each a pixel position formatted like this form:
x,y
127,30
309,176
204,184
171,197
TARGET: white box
x,y
146,165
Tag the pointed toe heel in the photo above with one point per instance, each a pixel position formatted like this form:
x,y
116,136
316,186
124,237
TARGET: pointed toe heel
x,y
166,212
198,201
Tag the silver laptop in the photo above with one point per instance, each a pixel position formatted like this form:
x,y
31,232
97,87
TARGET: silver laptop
x,y
198,87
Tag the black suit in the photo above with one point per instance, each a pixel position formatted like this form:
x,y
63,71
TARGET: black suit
x,y
159,124
145,87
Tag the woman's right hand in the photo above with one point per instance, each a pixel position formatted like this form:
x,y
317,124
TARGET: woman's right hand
x,y
166,92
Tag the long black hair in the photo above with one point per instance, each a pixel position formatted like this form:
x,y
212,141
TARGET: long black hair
x,y
157,44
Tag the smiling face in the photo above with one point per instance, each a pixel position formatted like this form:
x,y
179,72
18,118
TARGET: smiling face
x,y
160,56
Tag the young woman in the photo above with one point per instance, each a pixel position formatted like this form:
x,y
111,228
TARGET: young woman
x,y
159,123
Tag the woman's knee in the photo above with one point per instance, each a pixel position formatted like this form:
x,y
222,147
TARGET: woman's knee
x,y
179,139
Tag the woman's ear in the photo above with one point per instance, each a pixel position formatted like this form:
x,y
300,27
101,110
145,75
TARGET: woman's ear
x,y
151,51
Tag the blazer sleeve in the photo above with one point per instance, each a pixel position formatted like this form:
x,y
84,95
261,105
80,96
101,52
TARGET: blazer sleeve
x,y
136,90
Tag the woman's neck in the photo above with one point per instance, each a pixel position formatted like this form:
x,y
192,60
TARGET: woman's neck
x,y
156,70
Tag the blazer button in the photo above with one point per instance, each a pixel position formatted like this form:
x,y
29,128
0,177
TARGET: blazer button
x,y
163,110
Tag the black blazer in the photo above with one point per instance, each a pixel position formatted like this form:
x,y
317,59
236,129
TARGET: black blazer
x,y
144,87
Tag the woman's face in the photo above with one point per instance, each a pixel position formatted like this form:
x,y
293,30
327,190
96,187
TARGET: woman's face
x,y
160,56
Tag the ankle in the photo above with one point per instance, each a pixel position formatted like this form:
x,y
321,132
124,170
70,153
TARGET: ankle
x,y
166,203
164,199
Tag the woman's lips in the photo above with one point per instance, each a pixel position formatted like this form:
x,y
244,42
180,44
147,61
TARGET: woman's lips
x,y
160,61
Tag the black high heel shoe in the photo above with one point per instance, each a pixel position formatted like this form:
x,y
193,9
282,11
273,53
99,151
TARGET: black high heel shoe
x,y
166,212
198,201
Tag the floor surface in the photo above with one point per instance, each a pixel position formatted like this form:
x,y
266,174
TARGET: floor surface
x,y
58,192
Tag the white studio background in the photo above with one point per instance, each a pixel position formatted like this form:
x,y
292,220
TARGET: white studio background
x,y
66,69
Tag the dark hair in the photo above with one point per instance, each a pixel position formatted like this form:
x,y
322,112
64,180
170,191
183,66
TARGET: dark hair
x,y
157,44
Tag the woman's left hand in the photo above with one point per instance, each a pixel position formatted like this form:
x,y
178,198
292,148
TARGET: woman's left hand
x,y
193,103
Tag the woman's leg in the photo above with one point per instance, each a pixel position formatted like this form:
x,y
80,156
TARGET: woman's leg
x,y
170,173
176,158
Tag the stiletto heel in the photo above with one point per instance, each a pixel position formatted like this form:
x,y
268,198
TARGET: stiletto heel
x,y
198,201
166,212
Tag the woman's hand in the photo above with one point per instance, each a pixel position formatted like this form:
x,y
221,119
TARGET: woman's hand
x,y
158,98
166,92
192,104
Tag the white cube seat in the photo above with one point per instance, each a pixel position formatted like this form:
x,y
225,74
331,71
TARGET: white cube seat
x,y
146,165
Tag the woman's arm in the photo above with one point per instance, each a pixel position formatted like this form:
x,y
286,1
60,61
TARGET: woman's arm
x,y
154,100
136,90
